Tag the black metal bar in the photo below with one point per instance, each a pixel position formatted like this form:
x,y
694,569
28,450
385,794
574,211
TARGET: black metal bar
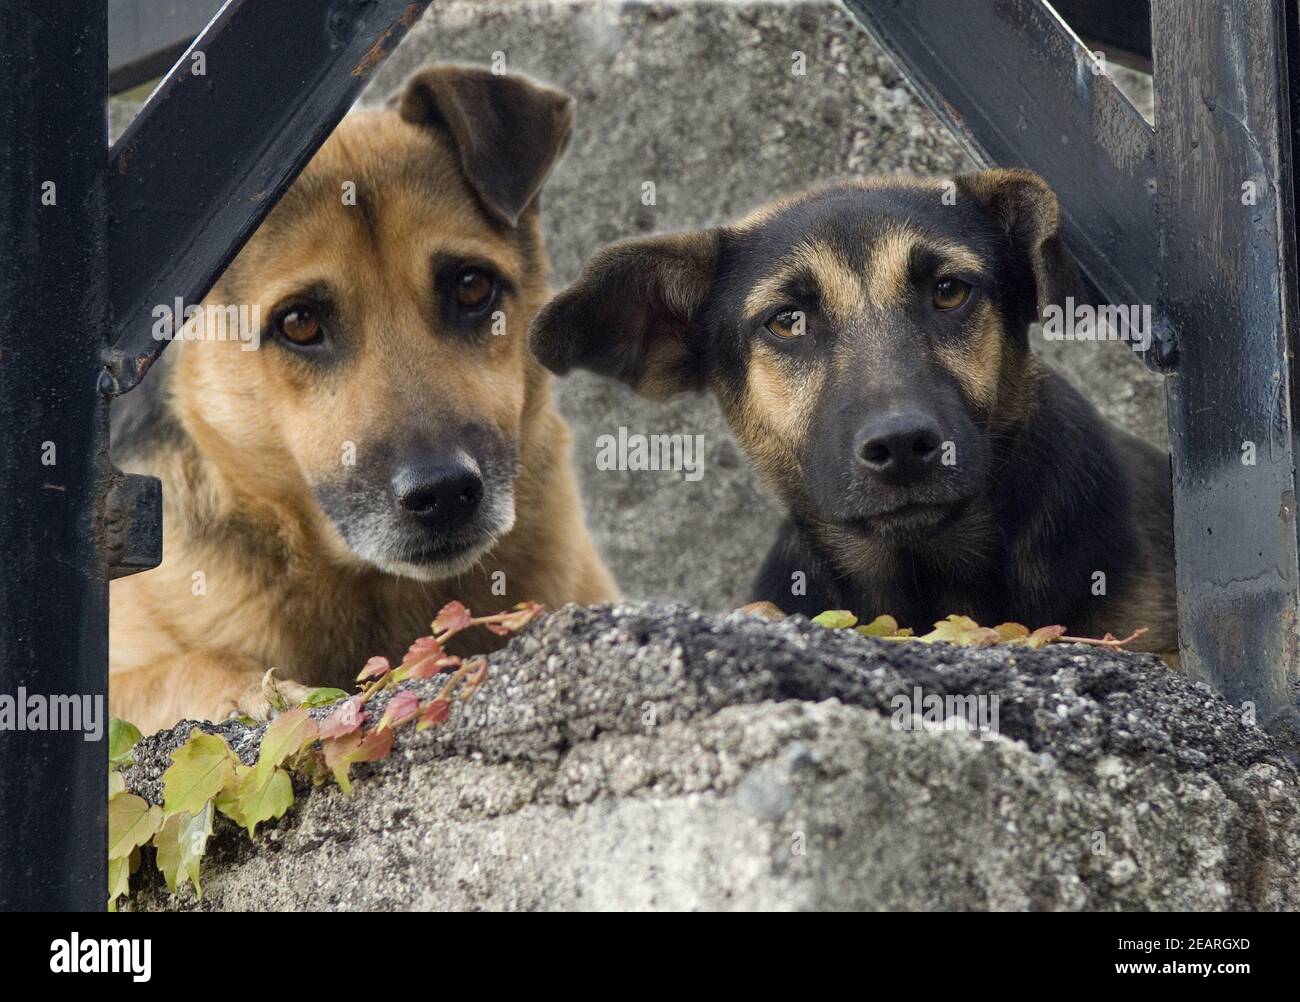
x,y
54,468
1019,89
1228,288
189,182
146,37
183,201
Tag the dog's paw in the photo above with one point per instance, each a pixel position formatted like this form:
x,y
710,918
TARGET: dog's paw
x,y
268,696
763,610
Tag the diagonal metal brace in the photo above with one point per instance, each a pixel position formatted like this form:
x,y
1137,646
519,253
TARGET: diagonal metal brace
x,y
217,144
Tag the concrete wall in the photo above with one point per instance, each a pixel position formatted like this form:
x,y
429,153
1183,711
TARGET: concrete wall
x,y
776,773
700,98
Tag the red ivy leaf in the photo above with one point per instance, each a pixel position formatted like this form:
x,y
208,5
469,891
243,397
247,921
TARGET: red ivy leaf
x,y
342,752
374,746
343,721
375,668
511,622
401,708
423,658
446,663
525,613
454,616
337,753
436,711
424,647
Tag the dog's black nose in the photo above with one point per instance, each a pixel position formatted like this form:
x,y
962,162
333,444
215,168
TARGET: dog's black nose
x,y
901,446
440,496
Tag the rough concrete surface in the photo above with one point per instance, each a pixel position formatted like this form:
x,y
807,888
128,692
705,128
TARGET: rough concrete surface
x,y
653,757
700,99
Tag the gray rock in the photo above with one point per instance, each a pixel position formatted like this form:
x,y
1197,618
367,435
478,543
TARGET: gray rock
x,y
653,757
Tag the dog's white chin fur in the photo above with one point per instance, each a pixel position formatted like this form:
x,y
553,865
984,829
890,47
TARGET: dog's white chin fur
x,y
377,545
439,571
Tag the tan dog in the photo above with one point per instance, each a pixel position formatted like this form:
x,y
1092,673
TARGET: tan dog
x,y
389,446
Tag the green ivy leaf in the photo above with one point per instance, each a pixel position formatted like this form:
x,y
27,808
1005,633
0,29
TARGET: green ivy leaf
x,y
1043,636
262,797
961,630
201,768
310,765
122,737
322,697
836,619
286,735
132,822
883,626
119,881
227,801
116,784
181,843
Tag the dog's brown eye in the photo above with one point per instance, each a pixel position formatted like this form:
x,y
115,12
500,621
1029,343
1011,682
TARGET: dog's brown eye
x,y
301,325
949,293
474,288
788,324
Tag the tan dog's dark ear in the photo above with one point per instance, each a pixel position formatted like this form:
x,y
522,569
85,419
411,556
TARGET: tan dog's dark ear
x,y
508,131
633,314
1027,209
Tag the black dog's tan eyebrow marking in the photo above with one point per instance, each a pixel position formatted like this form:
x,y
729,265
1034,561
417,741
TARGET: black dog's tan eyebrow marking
x,y
838,285
895,257
845,292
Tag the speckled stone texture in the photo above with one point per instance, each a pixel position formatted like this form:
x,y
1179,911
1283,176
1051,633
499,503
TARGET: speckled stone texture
x,y
653,757
700,98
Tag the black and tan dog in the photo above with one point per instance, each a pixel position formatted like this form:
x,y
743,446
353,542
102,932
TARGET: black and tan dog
x,y
869,345
390,445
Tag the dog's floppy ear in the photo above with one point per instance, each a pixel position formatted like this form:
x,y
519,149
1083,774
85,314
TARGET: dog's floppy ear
x,y
1026,207
508,130
633,314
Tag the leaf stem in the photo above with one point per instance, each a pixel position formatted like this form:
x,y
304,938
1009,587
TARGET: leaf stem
x,y
1106,641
